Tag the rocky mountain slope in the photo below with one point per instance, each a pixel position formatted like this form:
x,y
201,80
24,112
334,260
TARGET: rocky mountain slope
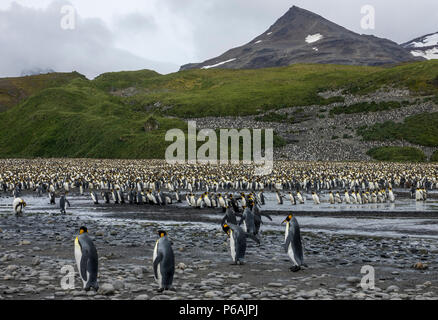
x,y
301,36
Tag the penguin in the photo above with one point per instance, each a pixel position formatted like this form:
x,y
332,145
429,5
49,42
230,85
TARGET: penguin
x,y
52,198
292,243
261,197
230,216
106,196
279,197
86,260
331,198
237,242
178,196
18,204
338,197
292,199
248,221
258,218
391,196
94,197
315,198
62,201
163,262
347,197
300,197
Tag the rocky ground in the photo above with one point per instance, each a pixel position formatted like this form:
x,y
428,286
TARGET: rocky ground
x,y
312,139
33,249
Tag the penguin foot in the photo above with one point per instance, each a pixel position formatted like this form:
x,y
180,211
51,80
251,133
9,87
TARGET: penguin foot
x,y
160,290
295,268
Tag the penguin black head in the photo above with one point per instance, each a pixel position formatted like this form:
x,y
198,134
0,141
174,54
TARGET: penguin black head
x,y
288,218
82,230
162,233
226,228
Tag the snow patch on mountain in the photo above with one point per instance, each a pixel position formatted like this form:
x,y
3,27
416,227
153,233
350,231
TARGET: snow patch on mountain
x,y
428,54
218,64
311,38
428,41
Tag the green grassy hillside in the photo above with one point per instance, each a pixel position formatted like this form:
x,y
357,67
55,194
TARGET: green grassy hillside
x,y
398,154
224,92
126,114
421,129
15,90
78,120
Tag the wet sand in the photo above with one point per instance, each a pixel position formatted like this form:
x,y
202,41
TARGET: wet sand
x,y
33,249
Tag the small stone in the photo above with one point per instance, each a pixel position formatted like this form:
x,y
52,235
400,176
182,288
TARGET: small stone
x,y
36,261
138,271
113,232
275,284
210,294
107,289
181,266
25,242
393,288
119,285
142,297
353,279
420,266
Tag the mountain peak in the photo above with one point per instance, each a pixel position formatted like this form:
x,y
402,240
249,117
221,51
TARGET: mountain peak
x,y
301,36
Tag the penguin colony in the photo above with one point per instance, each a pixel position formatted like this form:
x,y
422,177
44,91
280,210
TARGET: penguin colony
x,y
156,182
153,182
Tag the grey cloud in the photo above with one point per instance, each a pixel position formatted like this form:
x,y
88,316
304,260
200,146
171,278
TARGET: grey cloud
x,y
31,38
180,31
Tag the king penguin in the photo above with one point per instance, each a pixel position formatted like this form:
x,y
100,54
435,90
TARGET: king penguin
x,y
18,204
62,202
230,216
86,259
163,262
292,244
237,241
94,197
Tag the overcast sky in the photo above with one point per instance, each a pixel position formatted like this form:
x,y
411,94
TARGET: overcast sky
x,y
113,35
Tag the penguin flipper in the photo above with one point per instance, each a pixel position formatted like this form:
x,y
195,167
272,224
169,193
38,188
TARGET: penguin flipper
x,y
266,215
83,265
156,263
287,242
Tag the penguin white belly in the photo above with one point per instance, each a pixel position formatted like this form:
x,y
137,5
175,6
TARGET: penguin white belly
x,y
159,277
286,232
232,246
14,205
244,226
291,254
78,257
